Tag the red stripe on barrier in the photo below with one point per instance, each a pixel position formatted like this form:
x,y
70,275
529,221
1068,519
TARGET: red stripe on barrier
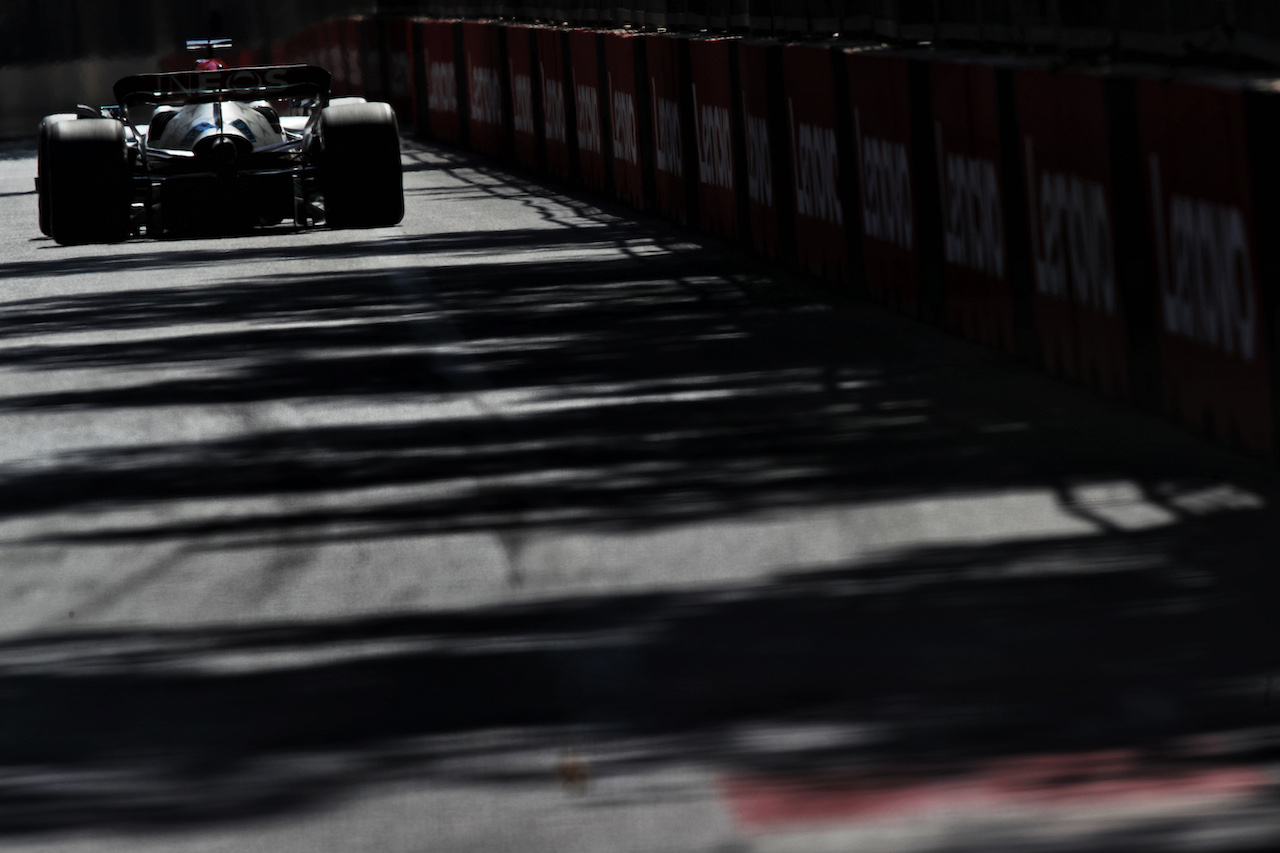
x,y
713,127
1022,789
1213,347
975,243
762,185
443,119
1070,213
623,117
521,78
585,76
880,96
809,90
666,88
555,123
486,113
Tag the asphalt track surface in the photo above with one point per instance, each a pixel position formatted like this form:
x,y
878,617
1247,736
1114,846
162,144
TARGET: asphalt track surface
x,y
531,525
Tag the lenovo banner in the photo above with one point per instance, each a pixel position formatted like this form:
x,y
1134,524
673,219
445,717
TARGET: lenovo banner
x,y
809,89
486,106
584,76
1210,310
667,92
975,250
443,119
350,51
552,77
522,74
711,70
765,149
888,177
625,113
400,70
1070,210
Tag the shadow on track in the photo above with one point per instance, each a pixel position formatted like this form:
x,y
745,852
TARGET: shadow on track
x,y
665,387
923,667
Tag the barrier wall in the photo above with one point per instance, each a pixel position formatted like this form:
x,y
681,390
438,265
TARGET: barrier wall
x,y
553,79
588,108
486,102
443,119
626,113
716,127
766,149
1212,334
401,73
1079,309
669,106
816,176
887,162
975,246
526,101
1107,226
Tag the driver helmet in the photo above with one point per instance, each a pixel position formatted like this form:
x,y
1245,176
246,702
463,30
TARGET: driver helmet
x,y
210,65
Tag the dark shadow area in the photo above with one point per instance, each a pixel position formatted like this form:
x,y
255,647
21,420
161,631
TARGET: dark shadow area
x,y
656,386
652,390
925,666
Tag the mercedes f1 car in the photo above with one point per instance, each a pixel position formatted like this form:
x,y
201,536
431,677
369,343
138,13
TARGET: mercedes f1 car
x,y
223,149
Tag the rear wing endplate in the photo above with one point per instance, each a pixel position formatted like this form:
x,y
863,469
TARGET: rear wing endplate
x,y
267,82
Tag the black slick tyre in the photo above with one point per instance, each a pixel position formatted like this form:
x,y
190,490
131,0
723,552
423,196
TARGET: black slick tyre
x,y
42,182
87,174
360,175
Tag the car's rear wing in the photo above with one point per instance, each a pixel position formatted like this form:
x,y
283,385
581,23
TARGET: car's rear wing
x,y
267,82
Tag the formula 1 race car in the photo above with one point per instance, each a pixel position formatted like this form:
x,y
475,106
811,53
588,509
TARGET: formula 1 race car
x,y
216,150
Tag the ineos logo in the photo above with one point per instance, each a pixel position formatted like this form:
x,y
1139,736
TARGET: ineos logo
x,y
817,170
973,217
1071,239
1206,271
887,210
212,81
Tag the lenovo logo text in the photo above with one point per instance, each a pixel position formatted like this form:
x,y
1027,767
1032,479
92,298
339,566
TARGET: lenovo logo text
x,y
715,146
666,125
485,89
1071,240
553,109
972,215
626,136
759,160
1206,272
887,210
588,103
442,88
817,171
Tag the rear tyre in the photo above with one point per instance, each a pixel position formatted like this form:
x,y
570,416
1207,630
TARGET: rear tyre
x,y
360,175
87,174
42,182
